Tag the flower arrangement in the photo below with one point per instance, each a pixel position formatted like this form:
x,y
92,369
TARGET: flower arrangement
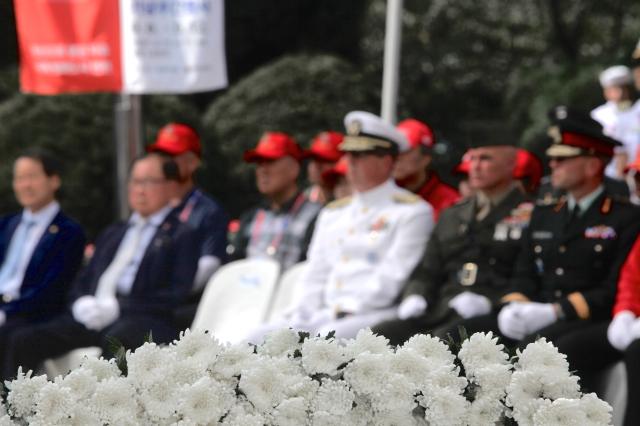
x,y
295,379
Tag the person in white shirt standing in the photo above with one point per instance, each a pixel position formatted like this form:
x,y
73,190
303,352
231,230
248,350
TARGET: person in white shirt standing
x,y
365,246
615,117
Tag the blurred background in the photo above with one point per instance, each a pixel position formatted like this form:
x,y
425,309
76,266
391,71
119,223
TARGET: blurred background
x,y
300,65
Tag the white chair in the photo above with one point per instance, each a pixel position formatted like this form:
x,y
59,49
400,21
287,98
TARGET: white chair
x,y
236,299
62,365
612,387
286,291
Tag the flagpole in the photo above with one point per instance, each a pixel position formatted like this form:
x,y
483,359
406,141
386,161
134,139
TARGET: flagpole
x,y
129,144
391,70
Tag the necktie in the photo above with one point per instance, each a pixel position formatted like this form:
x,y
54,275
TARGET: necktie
x,y
14,254
128,248
574,215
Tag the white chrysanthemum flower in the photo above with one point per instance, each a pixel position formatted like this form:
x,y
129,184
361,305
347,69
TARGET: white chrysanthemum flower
x,y
432,348
366,341
3,410
114,401
232,360
244,414
366,372
185,372
147,363
597,412
414,367
445,407
22,393
561,387
53,403
101,368
303,387
5,420
394,395
523,413
283,342
542,356
205,401
81,382
445,377
81,415
197,345
481,350
333,397
159,399
264,384
493,380
322,356
291,412
561,412
485,411
394,418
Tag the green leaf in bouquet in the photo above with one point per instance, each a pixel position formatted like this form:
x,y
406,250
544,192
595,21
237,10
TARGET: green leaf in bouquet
x,y
119,352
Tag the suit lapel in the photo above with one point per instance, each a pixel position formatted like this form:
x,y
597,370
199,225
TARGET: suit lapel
x,y
503,209
48,239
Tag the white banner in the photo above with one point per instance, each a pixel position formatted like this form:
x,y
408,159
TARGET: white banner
x,y
172,46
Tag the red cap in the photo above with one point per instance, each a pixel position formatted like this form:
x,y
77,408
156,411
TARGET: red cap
x,y
340,169
176,139
528,166
273,145
417,133
464,166
325,146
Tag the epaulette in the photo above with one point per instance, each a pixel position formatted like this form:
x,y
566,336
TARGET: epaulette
x,y
406,198
339,203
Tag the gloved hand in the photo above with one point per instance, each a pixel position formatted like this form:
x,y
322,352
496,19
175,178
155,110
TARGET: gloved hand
x,y
619,331
108,310
510,323
468,304
538,315
635,329
411,307
3,318
83,308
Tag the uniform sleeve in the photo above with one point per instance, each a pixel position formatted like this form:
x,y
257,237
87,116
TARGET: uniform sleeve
x,y
628,297
524,284
316,273
214,227
429,272
406,250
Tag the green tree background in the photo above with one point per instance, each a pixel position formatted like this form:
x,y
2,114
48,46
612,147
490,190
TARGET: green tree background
x,y
300,65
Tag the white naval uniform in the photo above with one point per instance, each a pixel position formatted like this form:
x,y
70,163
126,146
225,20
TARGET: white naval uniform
x,y
622,125
363,250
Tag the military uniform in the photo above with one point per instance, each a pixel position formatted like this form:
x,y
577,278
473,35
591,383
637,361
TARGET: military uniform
x,y
464,254
438,194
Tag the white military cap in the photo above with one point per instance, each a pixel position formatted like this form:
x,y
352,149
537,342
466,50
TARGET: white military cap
x,y
368,132
617,75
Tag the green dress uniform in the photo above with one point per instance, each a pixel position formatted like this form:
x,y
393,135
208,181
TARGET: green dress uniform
x,y
463,254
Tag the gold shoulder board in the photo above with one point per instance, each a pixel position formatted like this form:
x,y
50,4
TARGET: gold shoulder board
x,y
406,198
340,202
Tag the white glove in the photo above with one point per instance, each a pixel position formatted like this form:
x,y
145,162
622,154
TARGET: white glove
x,y
537,316
635,329
84,308
510,323
411,307
3,317
468,304
619,331
108,311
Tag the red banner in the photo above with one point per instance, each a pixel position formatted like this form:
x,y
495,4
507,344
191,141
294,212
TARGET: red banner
x,y
69,45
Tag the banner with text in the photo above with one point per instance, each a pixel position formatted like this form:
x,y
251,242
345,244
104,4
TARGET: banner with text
x,y
130,46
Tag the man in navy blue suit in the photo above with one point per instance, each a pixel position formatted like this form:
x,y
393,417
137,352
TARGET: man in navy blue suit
x,y
40,247
140,271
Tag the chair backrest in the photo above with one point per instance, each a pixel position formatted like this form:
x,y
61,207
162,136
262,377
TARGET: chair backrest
x,y
236,299
286,290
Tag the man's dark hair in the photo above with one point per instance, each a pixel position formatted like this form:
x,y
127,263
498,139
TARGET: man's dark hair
x,y
170,169
50,163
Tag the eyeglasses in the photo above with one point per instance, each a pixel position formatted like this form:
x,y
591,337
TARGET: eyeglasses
x,y
146,182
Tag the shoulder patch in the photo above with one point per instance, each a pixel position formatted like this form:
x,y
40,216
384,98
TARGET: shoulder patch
x,y
339,203
405,198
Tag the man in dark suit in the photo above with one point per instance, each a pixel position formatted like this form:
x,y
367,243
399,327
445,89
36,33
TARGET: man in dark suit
x,y
140,271
566,273
40,247
469,257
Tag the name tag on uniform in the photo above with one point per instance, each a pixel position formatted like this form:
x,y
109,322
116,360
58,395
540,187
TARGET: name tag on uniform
x,y
542,235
